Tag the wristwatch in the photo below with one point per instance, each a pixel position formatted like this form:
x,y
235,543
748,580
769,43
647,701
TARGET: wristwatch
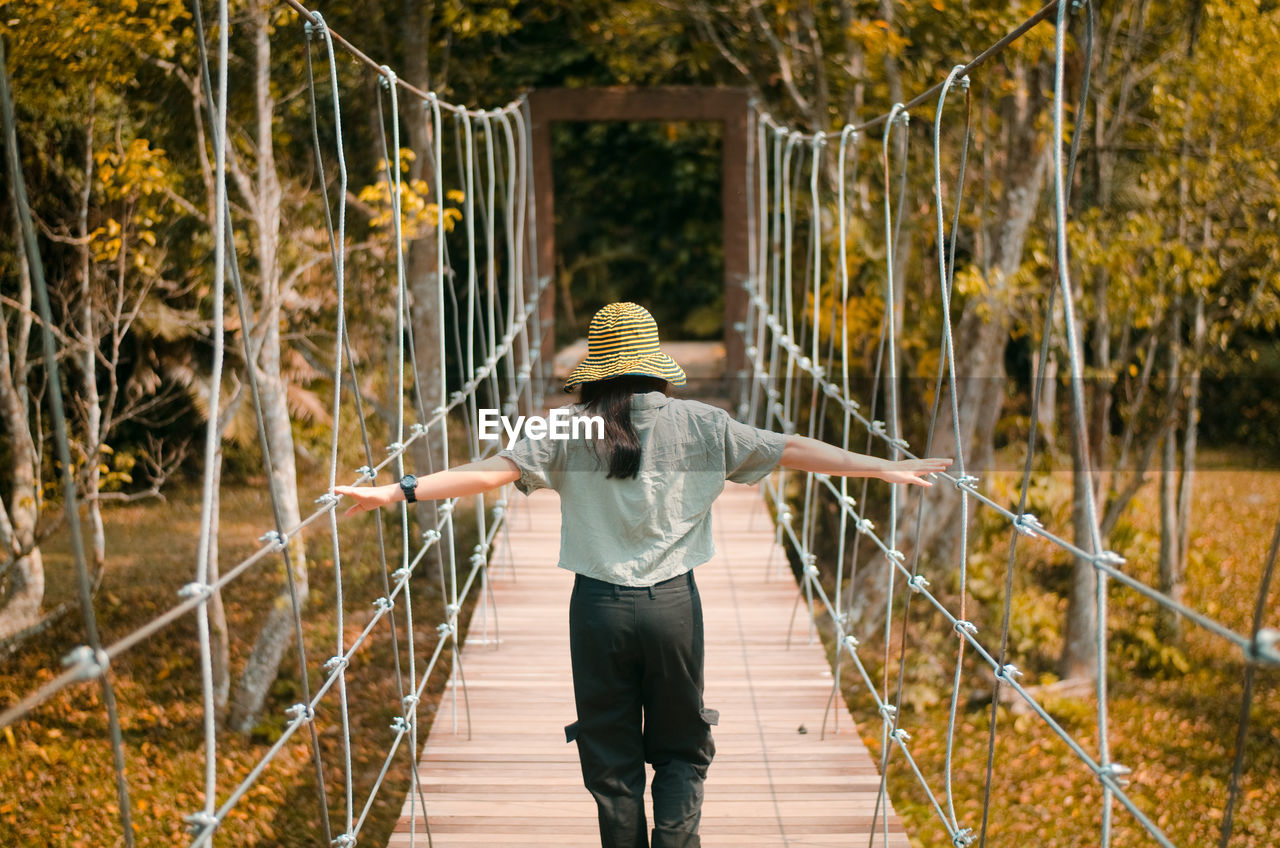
x,y
409,485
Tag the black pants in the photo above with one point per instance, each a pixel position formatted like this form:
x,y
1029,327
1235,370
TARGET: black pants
x,y
637,683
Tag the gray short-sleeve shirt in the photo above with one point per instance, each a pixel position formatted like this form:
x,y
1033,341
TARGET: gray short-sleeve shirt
x,y
656,526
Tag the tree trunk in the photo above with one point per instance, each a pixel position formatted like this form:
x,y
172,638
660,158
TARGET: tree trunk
x,y
1079,652
277,633
21,598
88,362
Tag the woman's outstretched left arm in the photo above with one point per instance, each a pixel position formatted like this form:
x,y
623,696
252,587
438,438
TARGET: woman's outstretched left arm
x,y
459,481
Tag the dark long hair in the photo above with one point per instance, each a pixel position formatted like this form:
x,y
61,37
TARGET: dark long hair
x,y
611,400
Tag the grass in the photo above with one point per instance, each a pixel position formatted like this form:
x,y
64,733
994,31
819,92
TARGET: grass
x,y
60,756
1175,729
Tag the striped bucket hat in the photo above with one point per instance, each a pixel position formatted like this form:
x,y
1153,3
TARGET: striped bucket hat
x,y
623,340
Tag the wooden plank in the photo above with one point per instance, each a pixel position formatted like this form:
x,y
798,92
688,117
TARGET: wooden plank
x,y
516,783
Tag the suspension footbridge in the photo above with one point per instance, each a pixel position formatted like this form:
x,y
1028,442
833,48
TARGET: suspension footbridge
x,y
783,775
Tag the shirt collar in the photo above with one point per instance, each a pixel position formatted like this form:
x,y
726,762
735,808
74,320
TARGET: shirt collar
x,y
649,400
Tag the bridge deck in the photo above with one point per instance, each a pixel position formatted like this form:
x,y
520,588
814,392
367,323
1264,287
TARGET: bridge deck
x,y
516,783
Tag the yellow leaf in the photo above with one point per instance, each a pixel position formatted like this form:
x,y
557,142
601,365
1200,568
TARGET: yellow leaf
x,y
8,736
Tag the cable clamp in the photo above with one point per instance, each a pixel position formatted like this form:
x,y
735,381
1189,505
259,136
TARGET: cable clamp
x,y
195,590
409,701
87,662
752,351
399,725
477,559
316,26
199,822
900,443
395,447
784,515
877,427
445,629
367,471
902,736
1116,774
865,526
1027,524
388,76
300,713
899,557
805,363
446,507
346,840
811,571
451,610
964,837
773,393
850,643
384,604
455,397
740,326
852,405
1008,672
1110,558
918,583
417,428
888,712
274,537
966,481
334,663
830,389
327,499
966,627
1265,647
400,574
432,535
440,410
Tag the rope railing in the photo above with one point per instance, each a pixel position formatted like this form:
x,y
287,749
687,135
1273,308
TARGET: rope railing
x,y
783,344
495,332
497,335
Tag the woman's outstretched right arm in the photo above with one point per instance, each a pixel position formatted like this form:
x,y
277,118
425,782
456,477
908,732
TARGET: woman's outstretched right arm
x,y
459,481
805,454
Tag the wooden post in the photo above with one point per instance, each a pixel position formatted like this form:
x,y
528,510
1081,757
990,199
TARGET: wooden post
x,y
726,106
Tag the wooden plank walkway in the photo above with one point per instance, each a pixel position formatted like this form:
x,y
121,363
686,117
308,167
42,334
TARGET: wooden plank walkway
x,y
516,783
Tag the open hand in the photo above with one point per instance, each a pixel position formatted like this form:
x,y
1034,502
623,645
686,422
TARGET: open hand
x,y
367,498
915,471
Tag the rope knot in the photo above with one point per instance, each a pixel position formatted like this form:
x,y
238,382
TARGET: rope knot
x,y
316,26
199,822
1008,672
1027,524
1108,558
195,590
301,713
87,662
334,663
1117,774
1265,647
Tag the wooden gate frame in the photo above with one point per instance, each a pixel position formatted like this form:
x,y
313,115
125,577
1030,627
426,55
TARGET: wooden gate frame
x,y
727,106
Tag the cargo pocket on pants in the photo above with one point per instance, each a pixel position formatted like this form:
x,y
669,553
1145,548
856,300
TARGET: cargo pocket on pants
x,y
710,716
571,732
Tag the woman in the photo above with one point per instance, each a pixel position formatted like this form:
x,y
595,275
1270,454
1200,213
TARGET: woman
x,y
636,520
